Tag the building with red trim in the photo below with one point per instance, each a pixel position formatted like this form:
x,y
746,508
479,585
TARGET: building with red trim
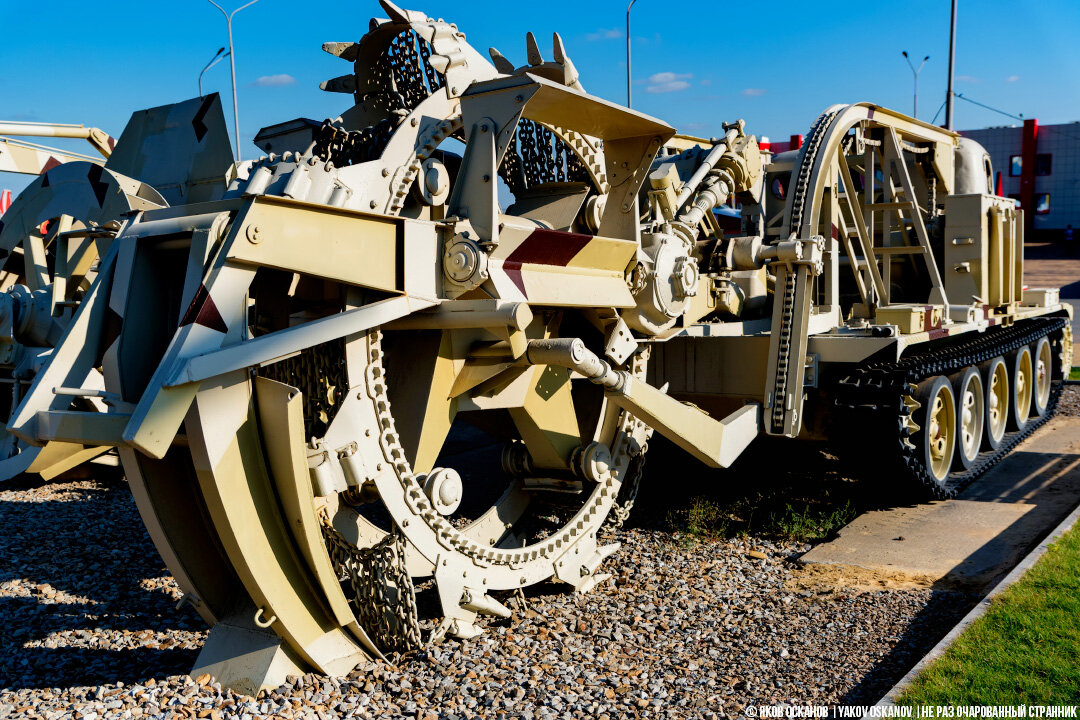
x,y
1039,167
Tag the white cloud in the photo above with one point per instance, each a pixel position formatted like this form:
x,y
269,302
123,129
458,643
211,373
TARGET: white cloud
x,y
275,80
968,79
1012,78
753,92
604,34
706,81
673,86
664,82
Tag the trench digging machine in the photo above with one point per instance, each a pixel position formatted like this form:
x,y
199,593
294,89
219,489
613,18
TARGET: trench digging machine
x,y
475,247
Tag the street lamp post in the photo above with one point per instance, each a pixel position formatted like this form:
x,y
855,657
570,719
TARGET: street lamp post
x,y
232,63
952,63
915,75
218,57
628,51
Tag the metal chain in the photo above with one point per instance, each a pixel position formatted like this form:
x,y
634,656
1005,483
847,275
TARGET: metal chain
x,y
783,352
405,78
787,299
333,143
408,62
321,376
628,492
806,166
426,144
383,596
540,156
449,536
620,512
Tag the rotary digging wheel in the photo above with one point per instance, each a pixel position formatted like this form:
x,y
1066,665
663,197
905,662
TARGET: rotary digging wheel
x,y
420,494
446,500
405,460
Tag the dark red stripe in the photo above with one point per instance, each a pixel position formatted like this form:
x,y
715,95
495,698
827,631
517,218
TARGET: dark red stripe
x,y
928,318
543,247
203,311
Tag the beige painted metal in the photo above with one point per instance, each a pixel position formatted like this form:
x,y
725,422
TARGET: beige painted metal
x,y
984,249
298,345
77,200
246,514
98,139
182,149
245,657
283,343
27,158
281,422
325,242
82,205
715,443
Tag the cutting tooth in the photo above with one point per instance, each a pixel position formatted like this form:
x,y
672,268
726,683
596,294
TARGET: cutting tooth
x,y
343,84
535,58
484,604
396,14
440,63
591,581
344,50
464,630
570,73
605,551
557,48
443,63
501,63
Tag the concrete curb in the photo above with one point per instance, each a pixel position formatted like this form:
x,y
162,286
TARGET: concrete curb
x,y
978,611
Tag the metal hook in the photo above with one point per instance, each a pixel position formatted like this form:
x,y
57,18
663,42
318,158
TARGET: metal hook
x,y
264,623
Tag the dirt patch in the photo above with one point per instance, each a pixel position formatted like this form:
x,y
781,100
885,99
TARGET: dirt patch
x,y
826,579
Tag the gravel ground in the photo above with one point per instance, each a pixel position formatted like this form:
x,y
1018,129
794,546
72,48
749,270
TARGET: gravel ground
x,y
1069,404
685,629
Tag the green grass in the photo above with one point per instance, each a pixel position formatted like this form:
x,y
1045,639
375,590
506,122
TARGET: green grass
x,y
776,490
804,521
1074,373
1024,650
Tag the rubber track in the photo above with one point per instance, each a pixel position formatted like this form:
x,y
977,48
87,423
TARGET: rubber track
x,y
878,388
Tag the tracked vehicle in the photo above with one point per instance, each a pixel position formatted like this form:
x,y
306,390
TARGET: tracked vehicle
x,y
426,344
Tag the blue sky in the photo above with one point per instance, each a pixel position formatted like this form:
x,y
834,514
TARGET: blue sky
x,y
696,64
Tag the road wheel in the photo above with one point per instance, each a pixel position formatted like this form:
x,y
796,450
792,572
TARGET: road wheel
x,y
936,438
970,416
1043,360
1022,376
995,376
